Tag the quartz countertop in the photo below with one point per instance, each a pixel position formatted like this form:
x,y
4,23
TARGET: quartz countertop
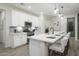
x,y
44,37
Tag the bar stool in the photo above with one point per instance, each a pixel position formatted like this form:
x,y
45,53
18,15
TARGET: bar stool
x,y
60,48
68,36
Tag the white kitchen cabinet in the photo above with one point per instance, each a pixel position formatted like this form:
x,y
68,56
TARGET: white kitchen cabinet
x,y
35,21
18,18
18,39
38,48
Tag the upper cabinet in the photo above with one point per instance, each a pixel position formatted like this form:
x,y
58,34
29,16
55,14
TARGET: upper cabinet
x,y
35,21
18,18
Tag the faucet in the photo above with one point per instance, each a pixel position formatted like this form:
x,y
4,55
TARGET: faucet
x,y
53,30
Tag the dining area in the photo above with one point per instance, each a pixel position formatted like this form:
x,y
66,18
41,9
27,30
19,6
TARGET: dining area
x,y
56,44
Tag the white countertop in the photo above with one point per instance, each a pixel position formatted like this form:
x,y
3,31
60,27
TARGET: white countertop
x,y
43,37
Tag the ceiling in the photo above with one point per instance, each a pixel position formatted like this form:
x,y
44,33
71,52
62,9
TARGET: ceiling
x,y
48,8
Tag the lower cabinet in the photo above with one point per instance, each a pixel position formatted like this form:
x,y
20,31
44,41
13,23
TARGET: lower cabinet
x,y
18,39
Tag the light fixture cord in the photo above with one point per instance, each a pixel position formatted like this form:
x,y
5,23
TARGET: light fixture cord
x,y
59,8
55,5
62,8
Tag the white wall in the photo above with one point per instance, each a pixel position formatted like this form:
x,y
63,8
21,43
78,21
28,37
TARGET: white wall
x,y
55,22
0,28
48,21
41,23
51,21
63,25
6,23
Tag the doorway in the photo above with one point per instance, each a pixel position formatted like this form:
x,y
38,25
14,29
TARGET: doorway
x,y
2,45
71,26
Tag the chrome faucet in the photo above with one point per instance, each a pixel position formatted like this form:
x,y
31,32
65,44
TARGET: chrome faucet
x,y
53,30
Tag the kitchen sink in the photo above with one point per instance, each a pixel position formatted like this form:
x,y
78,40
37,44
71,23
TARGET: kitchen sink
x,y
51,37
57,35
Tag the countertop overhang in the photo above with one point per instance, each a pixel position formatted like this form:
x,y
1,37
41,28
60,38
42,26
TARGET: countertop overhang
x,y
44,37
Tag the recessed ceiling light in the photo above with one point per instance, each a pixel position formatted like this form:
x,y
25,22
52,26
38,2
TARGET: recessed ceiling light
x,y
29,7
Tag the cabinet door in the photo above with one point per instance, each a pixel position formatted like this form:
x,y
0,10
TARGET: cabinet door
x,y
23,39
19,39
22,19
34,21
16,41
18,18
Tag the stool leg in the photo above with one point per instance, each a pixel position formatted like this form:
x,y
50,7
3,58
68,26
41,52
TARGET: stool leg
x,y
51,52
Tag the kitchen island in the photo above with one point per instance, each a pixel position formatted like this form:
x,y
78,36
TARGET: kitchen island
x,y
39,43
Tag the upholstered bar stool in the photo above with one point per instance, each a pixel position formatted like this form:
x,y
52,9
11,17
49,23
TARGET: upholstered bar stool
x,y
60,48
67,46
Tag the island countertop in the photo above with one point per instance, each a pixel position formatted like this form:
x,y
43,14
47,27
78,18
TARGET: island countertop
x,y
49,38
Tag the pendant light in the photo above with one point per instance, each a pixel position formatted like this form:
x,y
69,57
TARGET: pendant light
x,y
56,10
62,16
59,14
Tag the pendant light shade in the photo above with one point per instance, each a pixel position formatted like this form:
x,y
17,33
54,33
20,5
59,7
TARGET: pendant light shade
x,y
59,11
62,17
59,14
56,10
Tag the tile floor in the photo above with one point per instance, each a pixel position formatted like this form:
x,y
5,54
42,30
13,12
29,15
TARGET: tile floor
x,y
19,51
74,47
